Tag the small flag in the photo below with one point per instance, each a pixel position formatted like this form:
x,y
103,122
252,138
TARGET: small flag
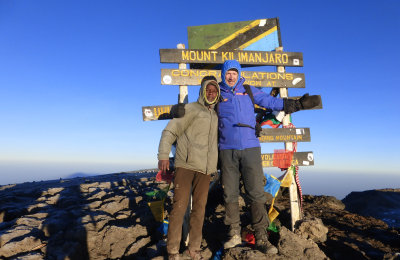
x,y
167,176
272,186
282,158
163,228
269,119
157,208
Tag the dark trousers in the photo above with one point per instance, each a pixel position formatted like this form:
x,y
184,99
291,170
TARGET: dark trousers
x,y
245,163
186,180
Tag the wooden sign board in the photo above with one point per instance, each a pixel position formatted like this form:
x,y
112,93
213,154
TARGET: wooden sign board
x,y
254,78
299,159
151,113
203,56
270,135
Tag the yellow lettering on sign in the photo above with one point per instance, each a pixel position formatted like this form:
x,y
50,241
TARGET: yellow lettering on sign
x,y
285,58
266,138
207,55
255,75
194,73
192,55
251,57
224,56
272,76
289,137
175,73
242,56
198,55
289,76
258,57
266,157
271,58
214,56
158,111
185,55
278,58
255,83
266,58
267,164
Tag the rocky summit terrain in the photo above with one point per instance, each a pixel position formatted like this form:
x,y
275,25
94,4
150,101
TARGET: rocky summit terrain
x,y
108,217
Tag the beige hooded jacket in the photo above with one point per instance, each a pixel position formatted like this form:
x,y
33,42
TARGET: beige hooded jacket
x,y
196,134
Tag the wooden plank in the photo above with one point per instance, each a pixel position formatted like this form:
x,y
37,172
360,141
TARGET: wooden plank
x,y
270,135
254,78
299,159
151,113
204,56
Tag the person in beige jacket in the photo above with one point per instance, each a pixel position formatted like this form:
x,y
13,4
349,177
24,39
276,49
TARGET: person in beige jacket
x,y
196,135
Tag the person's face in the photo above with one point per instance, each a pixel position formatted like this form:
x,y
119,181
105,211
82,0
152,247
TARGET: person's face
x,y
211,93
231,76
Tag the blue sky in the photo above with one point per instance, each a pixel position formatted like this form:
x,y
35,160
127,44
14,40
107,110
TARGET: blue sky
x,y
75,74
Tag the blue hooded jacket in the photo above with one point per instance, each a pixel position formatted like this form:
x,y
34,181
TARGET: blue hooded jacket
x,y
236,108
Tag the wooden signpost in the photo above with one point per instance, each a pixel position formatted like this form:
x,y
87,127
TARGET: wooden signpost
x,y
260,58
252,43
299,159
270,135
254,78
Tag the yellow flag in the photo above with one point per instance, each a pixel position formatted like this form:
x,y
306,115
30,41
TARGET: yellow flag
x,y
157,208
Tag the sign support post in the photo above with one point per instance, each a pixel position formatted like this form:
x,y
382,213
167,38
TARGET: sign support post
x,y
294,198
183,98
183,90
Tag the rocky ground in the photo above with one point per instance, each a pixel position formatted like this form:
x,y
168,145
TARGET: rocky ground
x,y
107,217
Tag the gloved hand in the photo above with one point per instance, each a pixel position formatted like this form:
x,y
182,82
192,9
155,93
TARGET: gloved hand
x,y
305,102
178,110
308,101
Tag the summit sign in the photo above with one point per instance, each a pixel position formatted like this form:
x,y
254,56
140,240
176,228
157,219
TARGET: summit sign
x,y
294,59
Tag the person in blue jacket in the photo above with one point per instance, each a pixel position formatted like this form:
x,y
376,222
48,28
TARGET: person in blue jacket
x,y
240,151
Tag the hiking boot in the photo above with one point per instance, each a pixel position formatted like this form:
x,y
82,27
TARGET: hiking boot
x,y
234,237
235,240
263,245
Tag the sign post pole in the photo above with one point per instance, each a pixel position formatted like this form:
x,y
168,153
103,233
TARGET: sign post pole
x,y
183,90
294,199
183,98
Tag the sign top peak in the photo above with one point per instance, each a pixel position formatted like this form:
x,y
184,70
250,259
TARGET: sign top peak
x,y
255,35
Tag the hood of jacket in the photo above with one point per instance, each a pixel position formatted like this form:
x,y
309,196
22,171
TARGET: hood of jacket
x,y
230,64
202,92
